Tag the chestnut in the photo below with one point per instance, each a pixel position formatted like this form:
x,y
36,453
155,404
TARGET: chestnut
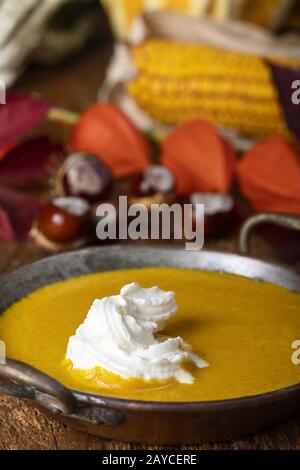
x,y
219,213
84,175
154,179
63,222
156,184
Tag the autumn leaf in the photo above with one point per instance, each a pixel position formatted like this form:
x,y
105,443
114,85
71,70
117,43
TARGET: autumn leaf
x,y
18,211
284,79
19,115
6,231
28,163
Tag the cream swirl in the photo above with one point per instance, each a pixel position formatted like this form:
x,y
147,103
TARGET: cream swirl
x,y
153,304
118,335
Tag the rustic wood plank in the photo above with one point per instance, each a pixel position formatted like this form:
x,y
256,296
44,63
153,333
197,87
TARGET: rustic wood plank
x,y
23,427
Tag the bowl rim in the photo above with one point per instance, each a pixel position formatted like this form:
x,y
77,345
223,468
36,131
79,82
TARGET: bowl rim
x,y
148,405
93,399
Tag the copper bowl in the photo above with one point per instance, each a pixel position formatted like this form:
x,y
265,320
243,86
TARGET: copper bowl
x,y
139,421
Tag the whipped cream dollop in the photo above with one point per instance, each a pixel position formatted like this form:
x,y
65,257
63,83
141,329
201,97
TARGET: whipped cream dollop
x,y
152,305
118,335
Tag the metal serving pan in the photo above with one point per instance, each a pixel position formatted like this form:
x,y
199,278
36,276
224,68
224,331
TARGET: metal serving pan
x,y
137,421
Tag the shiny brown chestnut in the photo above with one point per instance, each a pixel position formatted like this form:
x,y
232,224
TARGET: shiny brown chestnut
x,y
155,185
83,175
219,213
63,223
154,179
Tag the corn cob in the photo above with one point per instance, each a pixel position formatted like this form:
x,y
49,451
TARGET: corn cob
x,y
178,82
267,13
122,13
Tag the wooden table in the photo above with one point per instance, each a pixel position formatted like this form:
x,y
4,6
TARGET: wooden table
x,y
74,85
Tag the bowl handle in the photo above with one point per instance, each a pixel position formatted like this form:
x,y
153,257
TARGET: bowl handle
x,y
283,220
23,381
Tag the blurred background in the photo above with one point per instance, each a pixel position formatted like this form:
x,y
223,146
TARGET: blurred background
x,y
228,65
50,31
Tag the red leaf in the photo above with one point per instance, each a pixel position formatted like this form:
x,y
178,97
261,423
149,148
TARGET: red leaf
x,y
284,78
6,149
6,230
28,163
19,115
21,210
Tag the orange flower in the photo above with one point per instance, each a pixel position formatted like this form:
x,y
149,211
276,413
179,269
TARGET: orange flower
x,y
105,131
200,158
269,176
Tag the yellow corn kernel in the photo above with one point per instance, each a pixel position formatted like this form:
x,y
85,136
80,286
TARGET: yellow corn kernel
x,y
176,82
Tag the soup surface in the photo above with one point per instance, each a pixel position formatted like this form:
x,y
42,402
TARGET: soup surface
x,y
244,329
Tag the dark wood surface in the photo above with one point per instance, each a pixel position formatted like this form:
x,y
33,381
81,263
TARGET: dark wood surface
x,y
74,85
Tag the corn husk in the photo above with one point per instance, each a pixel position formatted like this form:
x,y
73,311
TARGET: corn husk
x,y
235,36
271,14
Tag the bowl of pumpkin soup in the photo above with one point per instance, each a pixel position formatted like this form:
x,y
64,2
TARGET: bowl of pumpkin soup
x,y
153,345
